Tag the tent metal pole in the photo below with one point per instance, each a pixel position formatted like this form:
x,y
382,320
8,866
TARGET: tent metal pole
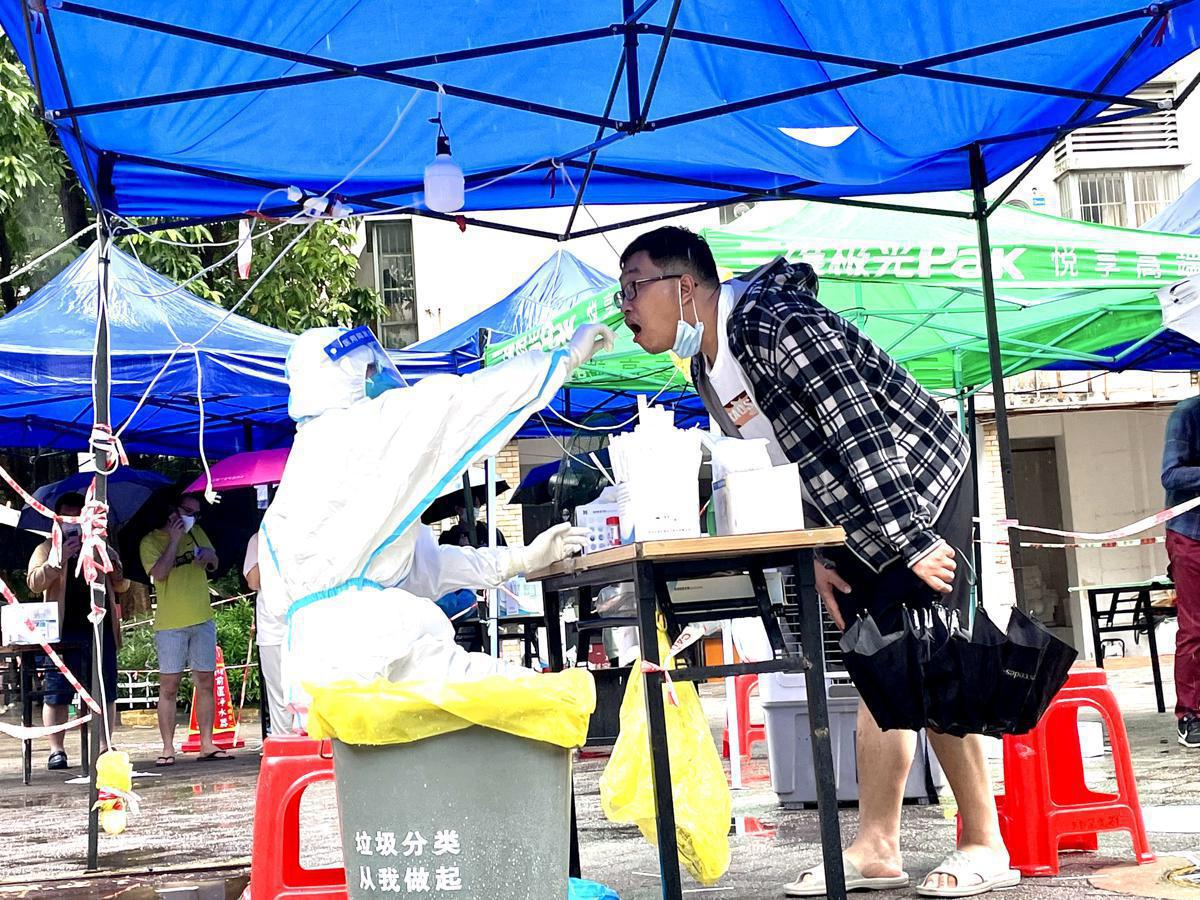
x,y
99,590
976,546
640,122
391,66
979,180
633,87
489,466
34,73
915,67
319,62
713,112
587,172
100,405
1103,83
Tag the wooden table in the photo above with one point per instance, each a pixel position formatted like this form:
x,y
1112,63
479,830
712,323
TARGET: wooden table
x,y
651,566
1133,598
27,656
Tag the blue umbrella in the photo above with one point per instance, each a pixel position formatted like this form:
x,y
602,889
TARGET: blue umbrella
x,y
128,490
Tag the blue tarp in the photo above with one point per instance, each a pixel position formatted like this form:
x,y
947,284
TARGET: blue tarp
x,y
1182,216
881,97
46,347
558,284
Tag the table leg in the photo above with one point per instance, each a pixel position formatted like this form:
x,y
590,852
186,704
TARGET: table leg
x,y
811,642
552,605
1097,644
1148,614
27,712
85,731
660,762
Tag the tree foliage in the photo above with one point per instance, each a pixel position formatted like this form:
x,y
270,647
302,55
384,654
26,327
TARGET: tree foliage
x,y
314,284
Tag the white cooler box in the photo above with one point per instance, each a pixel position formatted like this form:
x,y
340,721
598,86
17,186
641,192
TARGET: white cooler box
x,y
15,632
789,743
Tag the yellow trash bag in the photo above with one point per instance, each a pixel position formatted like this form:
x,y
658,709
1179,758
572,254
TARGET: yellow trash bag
x,y
552,708
701,793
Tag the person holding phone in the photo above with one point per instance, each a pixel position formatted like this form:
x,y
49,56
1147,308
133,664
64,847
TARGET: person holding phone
x,y
53,576
179,558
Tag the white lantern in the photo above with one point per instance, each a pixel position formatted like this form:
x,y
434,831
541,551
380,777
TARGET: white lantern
x,y
443,180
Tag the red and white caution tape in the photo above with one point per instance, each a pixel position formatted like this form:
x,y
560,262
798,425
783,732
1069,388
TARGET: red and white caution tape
x,y
1116,534
653,668
37,732
1081,545
53,655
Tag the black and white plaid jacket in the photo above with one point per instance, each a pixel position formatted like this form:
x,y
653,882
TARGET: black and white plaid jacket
x,y
877,455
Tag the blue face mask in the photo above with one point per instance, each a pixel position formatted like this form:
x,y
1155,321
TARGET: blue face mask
x,y
687,335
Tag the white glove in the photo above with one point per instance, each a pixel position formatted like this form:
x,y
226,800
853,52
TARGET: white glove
x,y
549,547
587,341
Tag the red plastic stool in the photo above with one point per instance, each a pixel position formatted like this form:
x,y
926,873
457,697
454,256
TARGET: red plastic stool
x,y
743,685
290,764
1047,805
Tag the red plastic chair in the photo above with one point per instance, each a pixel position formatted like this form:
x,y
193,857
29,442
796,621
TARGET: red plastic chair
x,y
290,765
1047,805
743,685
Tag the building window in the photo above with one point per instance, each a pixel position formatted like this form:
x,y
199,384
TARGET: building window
x,y
1124,197
395,279
1149,132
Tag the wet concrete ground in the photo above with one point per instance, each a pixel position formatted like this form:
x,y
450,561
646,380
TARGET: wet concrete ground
x,y
194,830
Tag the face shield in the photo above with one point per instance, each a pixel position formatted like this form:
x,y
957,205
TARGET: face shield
x,y
362,345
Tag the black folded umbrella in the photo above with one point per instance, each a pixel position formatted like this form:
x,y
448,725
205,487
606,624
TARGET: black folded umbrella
x,y
887,671
962,675
1053,666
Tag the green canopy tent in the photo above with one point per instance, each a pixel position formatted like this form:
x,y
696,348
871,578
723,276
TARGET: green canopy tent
x,y
1065,290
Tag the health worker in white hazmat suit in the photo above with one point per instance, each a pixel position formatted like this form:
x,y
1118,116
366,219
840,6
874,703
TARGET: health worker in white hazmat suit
x,y
344,556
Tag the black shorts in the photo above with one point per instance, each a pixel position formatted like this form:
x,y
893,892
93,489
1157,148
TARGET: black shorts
x,y
884,593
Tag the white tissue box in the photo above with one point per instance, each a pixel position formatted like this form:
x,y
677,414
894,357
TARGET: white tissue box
x,y
759,501
663,514
15,632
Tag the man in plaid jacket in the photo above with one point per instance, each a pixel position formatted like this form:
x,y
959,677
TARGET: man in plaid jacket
x,y
879,457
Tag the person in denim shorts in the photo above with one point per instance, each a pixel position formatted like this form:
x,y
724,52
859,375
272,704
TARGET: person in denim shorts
x,y
179,557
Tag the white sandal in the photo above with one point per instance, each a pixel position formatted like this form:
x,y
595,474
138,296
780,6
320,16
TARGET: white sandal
x,y
811,882
970,877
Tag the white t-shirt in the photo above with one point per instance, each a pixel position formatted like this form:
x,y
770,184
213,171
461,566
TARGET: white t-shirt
x,y
271,629
732,387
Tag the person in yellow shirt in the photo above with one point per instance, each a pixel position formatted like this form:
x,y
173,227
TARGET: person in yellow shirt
x,y
179,557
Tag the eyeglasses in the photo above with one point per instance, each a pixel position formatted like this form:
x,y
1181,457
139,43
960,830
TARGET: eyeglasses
x,y
629,293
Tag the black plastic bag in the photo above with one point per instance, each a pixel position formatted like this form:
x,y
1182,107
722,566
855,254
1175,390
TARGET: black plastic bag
x,y
887,671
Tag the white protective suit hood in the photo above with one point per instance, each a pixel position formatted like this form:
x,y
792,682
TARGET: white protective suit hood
x,y
318,383
339,539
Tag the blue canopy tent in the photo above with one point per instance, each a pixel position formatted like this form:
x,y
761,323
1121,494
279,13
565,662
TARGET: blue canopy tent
x,y
555,286
198,110
558,284
205,111
46,347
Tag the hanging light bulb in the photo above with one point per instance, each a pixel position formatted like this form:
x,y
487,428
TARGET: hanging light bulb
x,y
444,183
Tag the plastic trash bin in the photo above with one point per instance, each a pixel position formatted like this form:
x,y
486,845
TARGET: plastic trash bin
x,y
476,812
789,743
